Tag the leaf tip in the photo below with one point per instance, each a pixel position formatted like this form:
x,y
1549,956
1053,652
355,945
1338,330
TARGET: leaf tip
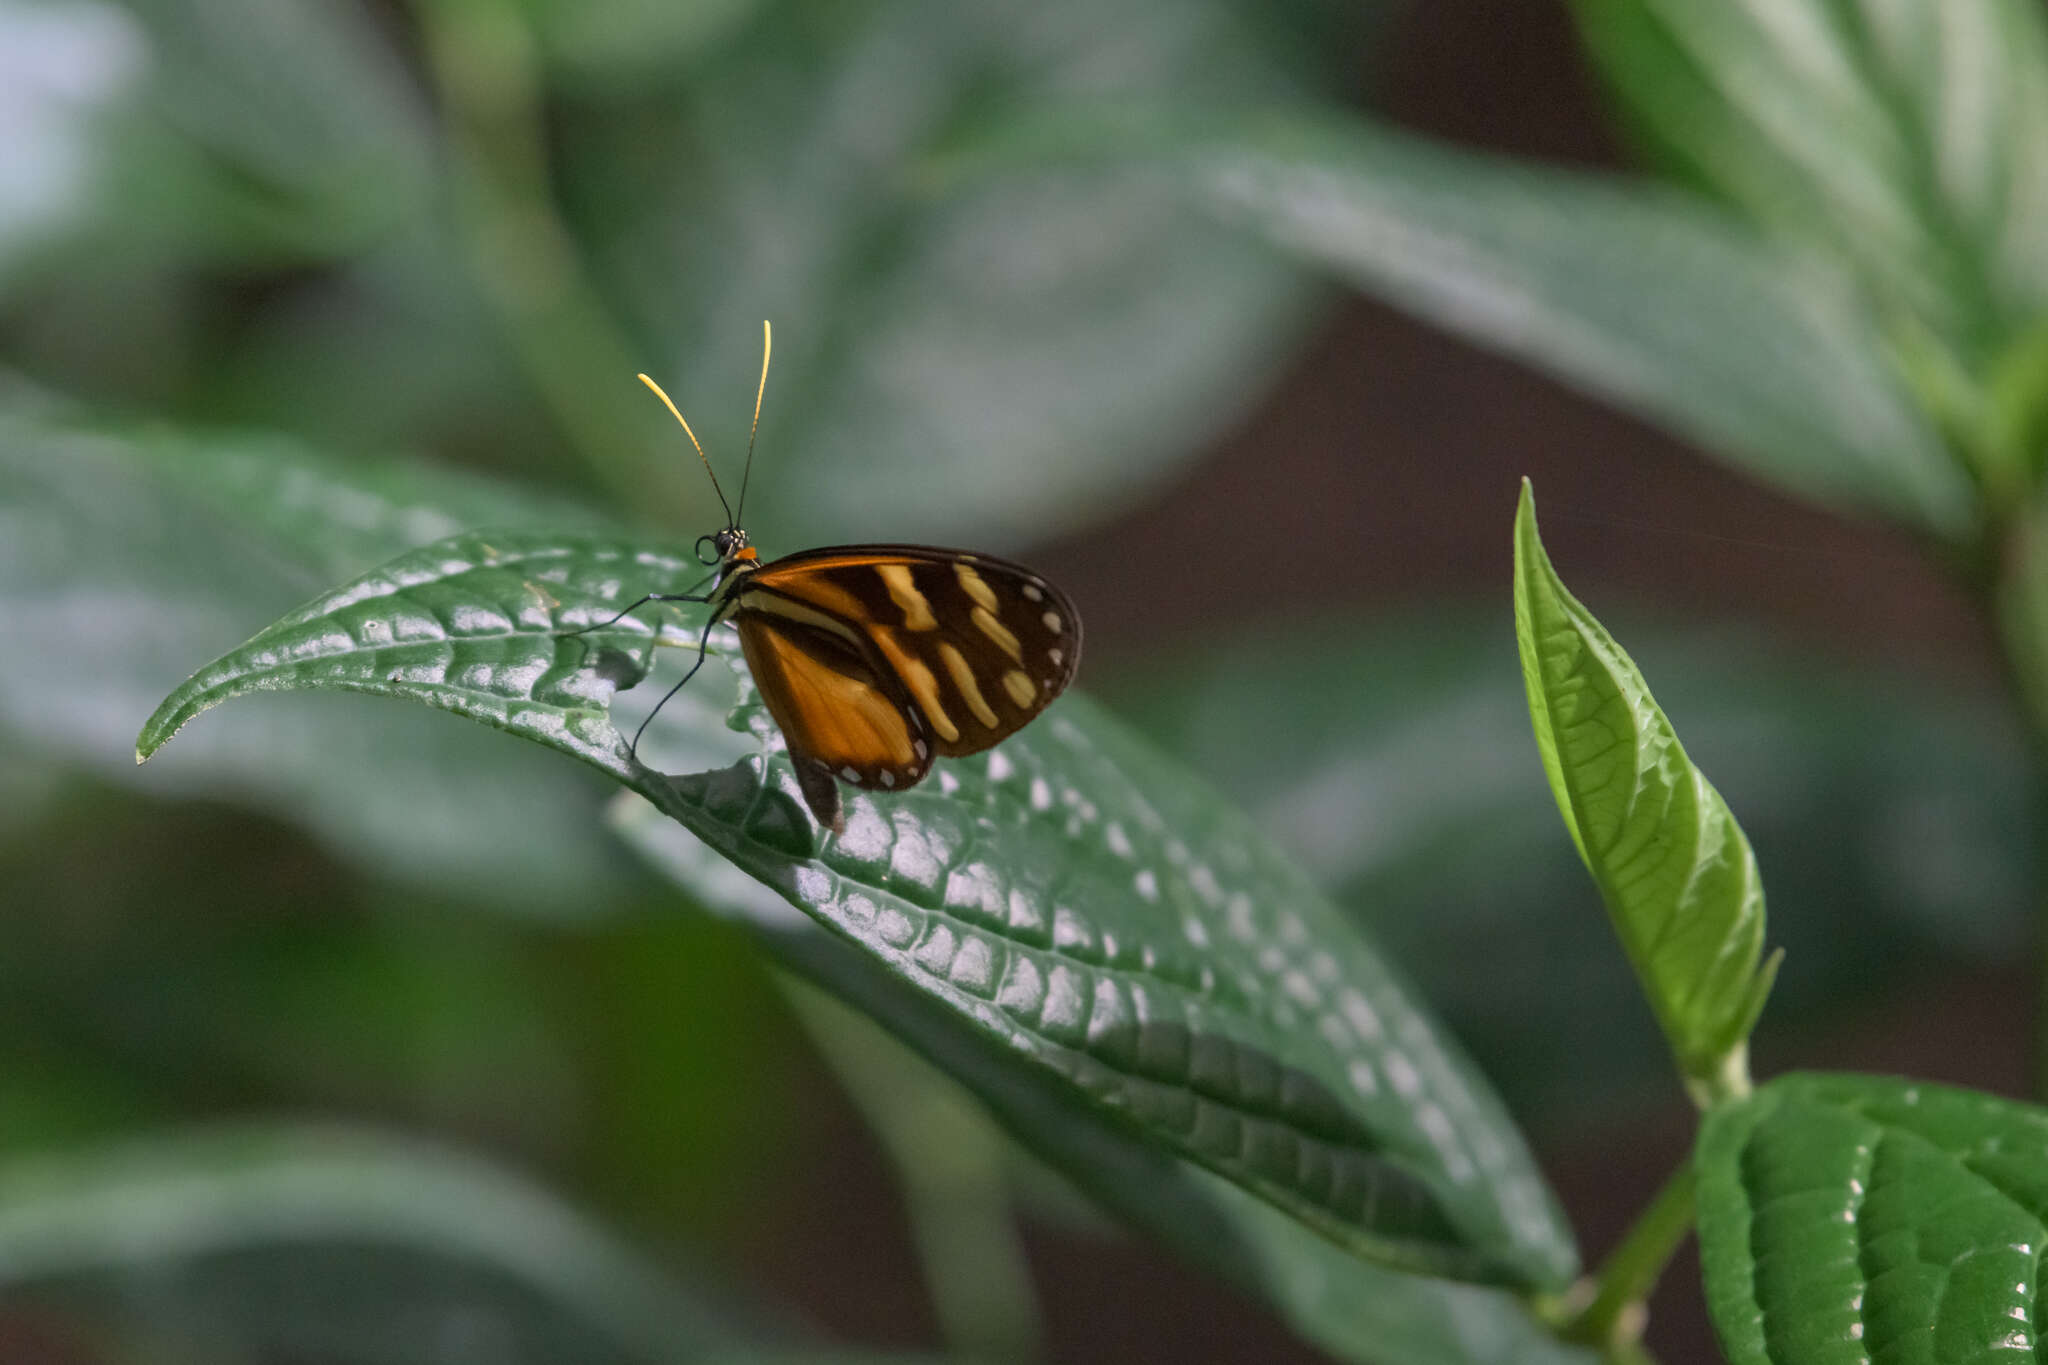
x,y
161,727
1528,540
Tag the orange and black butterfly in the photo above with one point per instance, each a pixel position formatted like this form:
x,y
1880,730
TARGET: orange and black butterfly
x,y
876,659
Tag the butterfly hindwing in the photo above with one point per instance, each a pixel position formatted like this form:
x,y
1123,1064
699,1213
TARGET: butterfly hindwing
x,y
974,646
835,711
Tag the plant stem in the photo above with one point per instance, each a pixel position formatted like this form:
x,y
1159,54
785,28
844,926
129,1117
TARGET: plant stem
x,y
950,1166
1614,1317
2013,587
486,70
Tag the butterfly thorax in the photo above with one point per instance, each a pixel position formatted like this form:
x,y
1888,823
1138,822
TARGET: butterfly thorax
x,y
736,559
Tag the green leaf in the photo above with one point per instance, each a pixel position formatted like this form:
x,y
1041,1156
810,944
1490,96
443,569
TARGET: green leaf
x,y
283,1239
1910,140
1856,1218
288,127
1675,870
996,360
1125,329
1069,898
1647,299
122,560
1413,801
1355,1310
478,624
1076,901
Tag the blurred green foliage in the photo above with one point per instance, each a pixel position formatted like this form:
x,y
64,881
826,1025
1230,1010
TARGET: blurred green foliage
x,y
283,281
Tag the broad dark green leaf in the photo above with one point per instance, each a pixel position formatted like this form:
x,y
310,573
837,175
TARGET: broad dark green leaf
x,y
1071,898
1909,140
1652,301
122,560
1391,757
1846,1219
1352,1309
479,624
1681,885
348,1244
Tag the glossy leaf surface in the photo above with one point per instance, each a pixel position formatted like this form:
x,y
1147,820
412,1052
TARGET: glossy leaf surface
x,y
1680,883
1070,898
1350,1308
1847,1219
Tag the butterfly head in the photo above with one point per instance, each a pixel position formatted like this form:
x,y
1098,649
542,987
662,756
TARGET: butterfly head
x,y
728,547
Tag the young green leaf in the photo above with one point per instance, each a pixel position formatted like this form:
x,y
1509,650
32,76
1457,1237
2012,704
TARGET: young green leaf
x,y
1846,1219
1413,802
1678,877
1070,898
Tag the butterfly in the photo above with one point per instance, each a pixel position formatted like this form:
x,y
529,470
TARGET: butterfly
x,y
873,660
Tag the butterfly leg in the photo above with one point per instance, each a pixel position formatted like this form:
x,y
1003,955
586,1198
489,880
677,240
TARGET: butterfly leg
x,y
821,792
650,597
703,644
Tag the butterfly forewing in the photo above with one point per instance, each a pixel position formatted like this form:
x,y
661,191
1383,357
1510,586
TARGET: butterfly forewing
x,y
969,647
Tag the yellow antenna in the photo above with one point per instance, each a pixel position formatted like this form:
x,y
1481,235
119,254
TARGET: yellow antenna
x,y
700,449
767,345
